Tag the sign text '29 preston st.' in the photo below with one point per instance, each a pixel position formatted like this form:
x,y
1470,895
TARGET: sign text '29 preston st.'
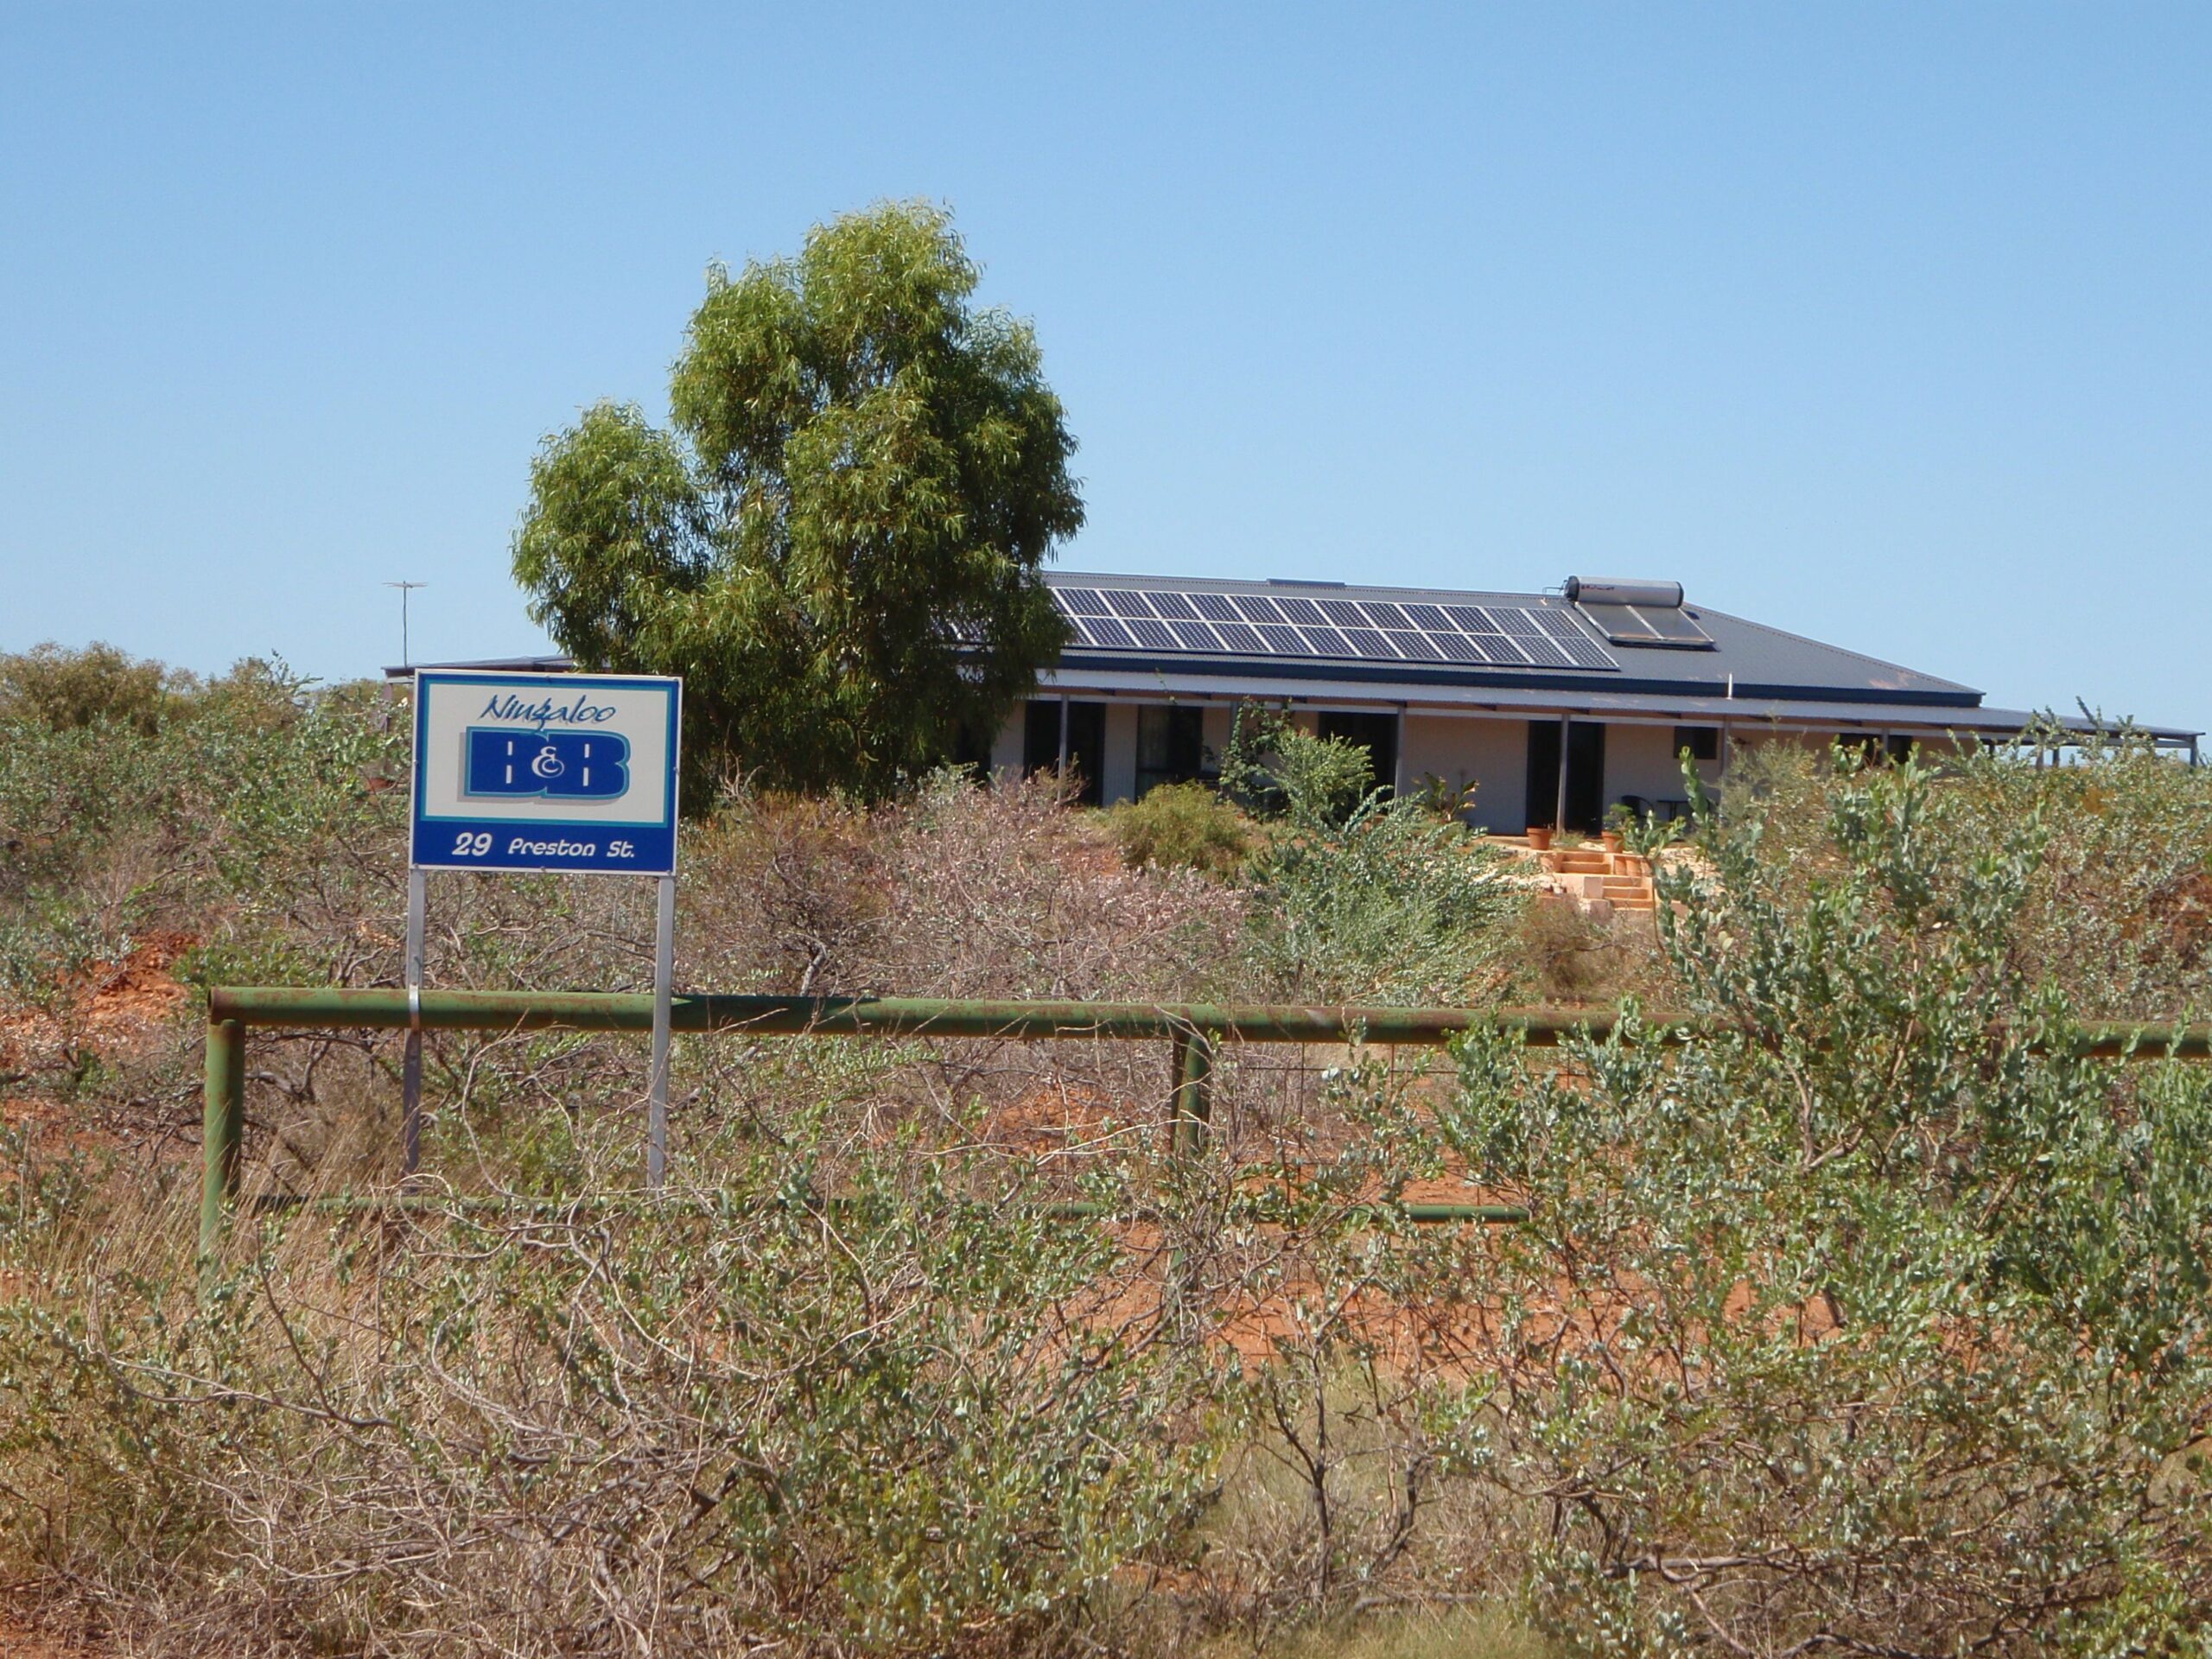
x,y
537,771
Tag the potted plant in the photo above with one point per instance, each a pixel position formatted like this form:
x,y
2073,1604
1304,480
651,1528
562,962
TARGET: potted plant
x,y
1540,837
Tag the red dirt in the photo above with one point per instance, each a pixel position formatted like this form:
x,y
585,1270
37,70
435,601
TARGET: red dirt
x,y
139,991
115,1003
23,1640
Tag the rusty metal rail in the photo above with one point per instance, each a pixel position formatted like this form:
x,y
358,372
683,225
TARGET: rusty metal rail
x,y
1193,1029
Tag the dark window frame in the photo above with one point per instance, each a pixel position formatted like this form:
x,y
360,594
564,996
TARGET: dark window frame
x,y
1702,741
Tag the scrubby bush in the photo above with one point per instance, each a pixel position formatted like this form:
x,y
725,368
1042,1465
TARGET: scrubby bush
x,y
1278,771
238,821
1865,1317
1183,827
1876,1321
888,1418
1358,896
1562,951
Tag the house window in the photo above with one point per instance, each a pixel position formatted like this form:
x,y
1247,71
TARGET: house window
x,y
1702,741
1086,742
1171,747
1875,750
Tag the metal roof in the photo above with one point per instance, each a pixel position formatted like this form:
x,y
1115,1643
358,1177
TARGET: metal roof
x,y
1757,660
485,665
1753,673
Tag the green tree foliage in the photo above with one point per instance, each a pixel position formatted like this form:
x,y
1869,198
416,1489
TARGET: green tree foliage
x,y
65,690
838,543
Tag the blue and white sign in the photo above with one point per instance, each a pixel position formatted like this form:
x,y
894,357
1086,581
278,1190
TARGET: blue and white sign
x,y
545,771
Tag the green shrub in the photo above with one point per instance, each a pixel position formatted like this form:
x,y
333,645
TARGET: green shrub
x,y
1358,896
1182,827
1276,771
1868,1324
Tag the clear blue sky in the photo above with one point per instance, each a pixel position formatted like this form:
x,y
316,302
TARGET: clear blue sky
x,y
1891,325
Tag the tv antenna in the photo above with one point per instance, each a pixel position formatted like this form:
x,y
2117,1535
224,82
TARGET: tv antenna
x,y
405,588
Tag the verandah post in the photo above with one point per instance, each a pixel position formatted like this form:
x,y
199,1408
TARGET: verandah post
x,y
222,1127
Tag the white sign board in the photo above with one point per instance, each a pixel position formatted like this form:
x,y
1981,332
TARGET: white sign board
x,y
545,771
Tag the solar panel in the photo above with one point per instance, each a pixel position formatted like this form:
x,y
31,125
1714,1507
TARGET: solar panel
x,y
1505,650
1258,608
1459,648
1544,651
1415,647
1375,629
1214,607
1677,627
1104,631
1580,648
1194,636
1470,619
1588,653
1154,634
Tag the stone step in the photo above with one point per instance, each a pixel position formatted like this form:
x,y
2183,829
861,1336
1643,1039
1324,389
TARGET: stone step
x,y
1629,893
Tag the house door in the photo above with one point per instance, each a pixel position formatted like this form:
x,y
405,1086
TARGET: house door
x,y
1586,775
1171,745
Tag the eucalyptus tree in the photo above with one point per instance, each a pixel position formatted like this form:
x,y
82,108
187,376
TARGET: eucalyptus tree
x,y
838,541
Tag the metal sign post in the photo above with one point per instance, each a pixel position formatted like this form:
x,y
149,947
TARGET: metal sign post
x,y
411,1084
657,1096
546,771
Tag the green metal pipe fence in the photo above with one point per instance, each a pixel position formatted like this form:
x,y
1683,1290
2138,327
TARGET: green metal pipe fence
x,y
1193,1029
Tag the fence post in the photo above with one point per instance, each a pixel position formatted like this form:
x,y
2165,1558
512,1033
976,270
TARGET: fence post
x,y
222,1127
1192,1108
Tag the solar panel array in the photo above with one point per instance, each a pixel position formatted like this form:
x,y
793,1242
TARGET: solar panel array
x,y
1290,625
